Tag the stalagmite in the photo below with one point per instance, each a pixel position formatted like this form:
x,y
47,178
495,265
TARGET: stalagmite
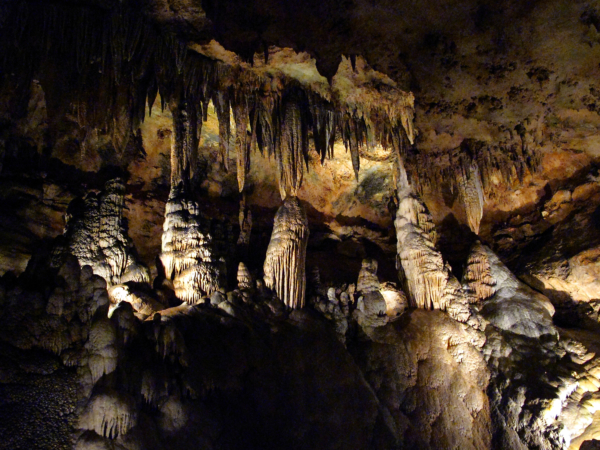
x,y
367,277
371,310
423,268
471,192
95,235
187,254
244,277
478,273
284,267
426,276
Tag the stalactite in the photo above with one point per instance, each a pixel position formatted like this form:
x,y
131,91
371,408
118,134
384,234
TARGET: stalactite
x,y
245,221
265,126
495,164
109,414
118,61
284,267
293,149
324,127
478,274
184,144
354,134
222,107
471,193
241,115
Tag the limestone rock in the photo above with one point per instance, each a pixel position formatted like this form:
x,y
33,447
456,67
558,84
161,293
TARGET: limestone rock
x,y
371,310
141,302
109,414
395,300
367,277
514,306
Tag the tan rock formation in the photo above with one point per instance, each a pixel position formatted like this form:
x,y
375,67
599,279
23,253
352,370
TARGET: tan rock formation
x,y
187,255
284,266
471,193
478,274
95,235
423,269
244,277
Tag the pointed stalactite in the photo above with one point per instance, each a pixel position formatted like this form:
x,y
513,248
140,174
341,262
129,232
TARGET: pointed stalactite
x,y
245,221
222,107
324,127
265,124
354,135
292,148
471,193
117,61
121,121
284,267
241,116
184,144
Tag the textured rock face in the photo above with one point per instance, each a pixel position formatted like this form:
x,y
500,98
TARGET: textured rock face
x,y
94,234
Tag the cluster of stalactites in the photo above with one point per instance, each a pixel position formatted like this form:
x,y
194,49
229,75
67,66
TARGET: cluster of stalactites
x,y
478,273
117,62
421,267
187,255
284,268
476,166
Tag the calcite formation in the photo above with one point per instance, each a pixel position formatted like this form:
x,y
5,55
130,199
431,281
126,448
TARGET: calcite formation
x,y
471,193
187,254
285,263
490,176
244,277
478,273
423,269
95,235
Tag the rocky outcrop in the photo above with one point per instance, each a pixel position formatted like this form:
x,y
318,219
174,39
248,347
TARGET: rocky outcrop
x,y
512,305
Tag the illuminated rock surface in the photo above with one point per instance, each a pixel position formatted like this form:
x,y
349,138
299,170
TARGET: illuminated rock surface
x,y
242,225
